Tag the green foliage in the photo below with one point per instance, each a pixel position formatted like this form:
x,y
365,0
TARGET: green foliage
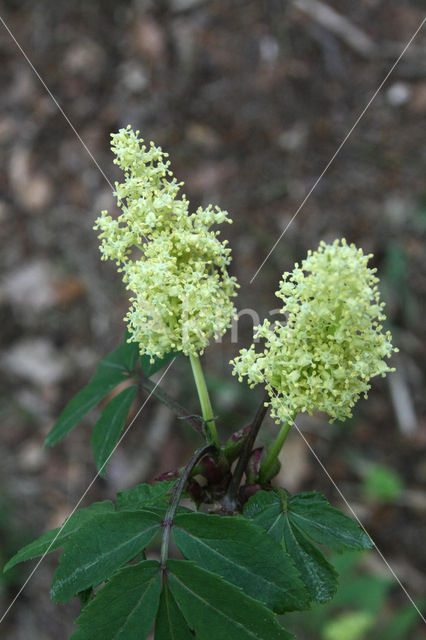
x,y
239,551
143,495
294,522
56,538
382,483
125,607
106,431
185,600
112,370
233,579
210,604
311,513
101,547
317,573
170,623
224,585
362,599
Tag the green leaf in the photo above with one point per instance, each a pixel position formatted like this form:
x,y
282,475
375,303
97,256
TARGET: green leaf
x,y
149,368
266,509
112,370
170,623
130,352
108,428
101,547
307,516
60,535
213,608
241,553
312,514
318,575
124,609
144,495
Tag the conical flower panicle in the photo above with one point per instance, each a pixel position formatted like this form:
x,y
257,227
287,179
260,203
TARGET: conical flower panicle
x,y
171,260
333,342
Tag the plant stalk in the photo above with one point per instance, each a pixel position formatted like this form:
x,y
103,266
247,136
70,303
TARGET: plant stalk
x,y
206,407
174,502
230,500
274,451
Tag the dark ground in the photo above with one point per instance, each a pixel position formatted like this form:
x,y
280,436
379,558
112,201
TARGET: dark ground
x,y
251,99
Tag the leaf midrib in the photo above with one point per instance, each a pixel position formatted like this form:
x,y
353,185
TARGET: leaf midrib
x,y
83,568
149,585
322,527
214,609
233,563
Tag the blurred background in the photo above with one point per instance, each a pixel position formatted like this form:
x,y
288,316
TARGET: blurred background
x,y
251,99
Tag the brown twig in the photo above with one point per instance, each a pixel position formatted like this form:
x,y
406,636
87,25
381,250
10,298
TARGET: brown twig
x,y
174,406
174,502
230,500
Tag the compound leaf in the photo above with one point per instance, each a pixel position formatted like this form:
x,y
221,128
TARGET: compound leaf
x,y
299,520
213,608
241,552
110,371
124,609
56,538
101,547
108,428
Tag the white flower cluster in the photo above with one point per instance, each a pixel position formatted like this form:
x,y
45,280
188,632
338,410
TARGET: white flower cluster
x,y
171,260
333,341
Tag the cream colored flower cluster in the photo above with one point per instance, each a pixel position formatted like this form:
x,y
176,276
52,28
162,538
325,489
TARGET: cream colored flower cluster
x,y
332,343
171,260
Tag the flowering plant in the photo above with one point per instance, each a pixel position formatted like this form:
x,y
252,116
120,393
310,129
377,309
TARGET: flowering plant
x,y
248,546
182,290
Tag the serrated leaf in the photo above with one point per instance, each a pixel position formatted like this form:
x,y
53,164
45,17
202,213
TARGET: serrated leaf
x,y
307,516
241,553
100,548
313,515
170,623
125,607
144,495
42,544
107,430
213,608
318,575
110,371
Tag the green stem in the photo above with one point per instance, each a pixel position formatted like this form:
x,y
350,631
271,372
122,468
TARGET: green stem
x,y
206,407
274,451
174,502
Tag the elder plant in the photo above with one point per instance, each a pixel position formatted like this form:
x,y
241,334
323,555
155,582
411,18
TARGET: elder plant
x,y
249,550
